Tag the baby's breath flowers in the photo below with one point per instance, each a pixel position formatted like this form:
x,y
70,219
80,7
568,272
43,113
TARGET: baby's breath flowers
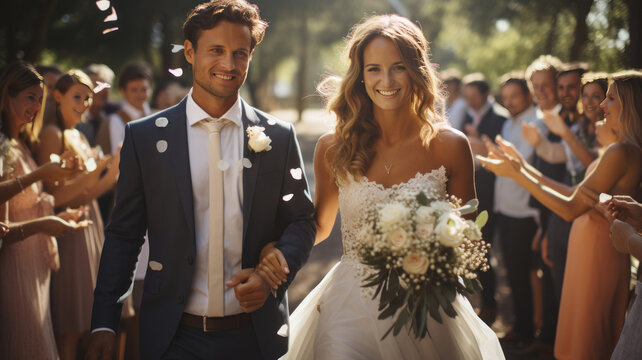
x,y
422,253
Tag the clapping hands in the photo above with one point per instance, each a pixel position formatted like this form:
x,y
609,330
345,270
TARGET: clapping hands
x,y
503,158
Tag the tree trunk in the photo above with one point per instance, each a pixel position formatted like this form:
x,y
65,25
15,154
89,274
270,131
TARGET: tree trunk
x,y
551,37
37,43
635,33
303,64
580,11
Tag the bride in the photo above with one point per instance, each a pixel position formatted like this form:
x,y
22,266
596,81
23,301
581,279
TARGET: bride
x,y
389,138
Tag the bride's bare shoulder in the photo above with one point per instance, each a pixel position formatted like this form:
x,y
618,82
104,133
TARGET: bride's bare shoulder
x,y
449,141
325,142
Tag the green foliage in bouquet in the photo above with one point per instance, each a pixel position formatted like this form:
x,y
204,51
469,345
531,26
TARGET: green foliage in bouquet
x,y
421,254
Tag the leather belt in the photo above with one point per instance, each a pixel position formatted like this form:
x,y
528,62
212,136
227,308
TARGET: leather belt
x,y
208,324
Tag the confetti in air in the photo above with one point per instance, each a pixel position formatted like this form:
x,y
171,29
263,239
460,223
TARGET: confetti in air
x,y
161,146
112,16
271,122
100,86
107,31
288,197
605,197
176,48
161,122
246,163
103,4
178,72
297,173
223,165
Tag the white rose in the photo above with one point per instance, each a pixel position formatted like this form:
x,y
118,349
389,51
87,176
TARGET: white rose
x,y
392,214
424,215
258,141
415,264
449,230
424,231
397,239
441,207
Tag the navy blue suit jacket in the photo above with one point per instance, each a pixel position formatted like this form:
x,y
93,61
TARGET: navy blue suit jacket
x,y
155,196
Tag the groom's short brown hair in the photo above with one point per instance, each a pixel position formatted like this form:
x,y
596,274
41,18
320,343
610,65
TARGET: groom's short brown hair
x,y
205,16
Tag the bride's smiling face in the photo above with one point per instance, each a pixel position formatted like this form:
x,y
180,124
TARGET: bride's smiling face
x,y
385,75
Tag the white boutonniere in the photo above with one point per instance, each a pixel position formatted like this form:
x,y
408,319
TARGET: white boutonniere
x,y
257,140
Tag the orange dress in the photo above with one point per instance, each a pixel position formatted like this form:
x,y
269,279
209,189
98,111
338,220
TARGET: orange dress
x,y
25,320
594,294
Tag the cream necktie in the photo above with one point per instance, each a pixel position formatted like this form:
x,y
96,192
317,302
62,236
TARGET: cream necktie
x,y
215,285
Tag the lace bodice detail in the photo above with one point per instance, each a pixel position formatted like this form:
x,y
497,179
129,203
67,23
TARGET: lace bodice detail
x,y
356,195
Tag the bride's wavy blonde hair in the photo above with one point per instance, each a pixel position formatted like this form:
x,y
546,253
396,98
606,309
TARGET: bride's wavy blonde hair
x,y
356,130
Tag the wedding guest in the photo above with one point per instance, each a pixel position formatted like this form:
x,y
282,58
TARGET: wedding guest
x,y
72,287
515,220
595,290
167,94
51,74
628,240
135,84
103,78
455,102
481,119
29,252
97,117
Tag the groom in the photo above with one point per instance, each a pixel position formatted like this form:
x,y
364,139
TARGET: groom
x,y
210,195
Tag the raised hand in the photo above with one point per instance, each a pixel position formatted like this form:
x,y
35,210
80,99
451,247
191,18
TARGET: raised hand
x,y
509,149
554,122
250,289
68,166
625,208
531,134
620,236
273,267
55,226
498,162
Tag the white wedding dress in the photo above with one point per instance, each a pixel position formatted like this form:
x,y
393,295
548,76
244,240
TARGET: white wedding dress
x,y
338,319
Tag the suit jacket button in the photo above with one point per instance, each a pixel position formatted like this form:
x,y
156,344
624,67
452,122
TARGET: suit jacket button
x,y
190,260
181,299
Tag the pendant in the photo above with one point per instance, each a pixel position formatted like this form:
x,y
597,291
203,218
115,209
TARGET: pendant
x,y
388,167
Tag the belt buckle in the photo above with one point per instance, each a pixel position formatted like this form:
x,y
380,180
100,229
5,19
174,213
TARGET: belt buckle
x,y
205,324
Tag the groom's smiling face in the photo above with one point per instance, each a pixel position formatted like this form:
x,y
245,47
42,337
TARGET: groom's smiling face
x,y
220,59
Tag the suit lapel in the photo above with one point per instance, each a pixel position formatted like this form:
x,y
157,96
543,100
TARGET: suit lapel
x,y
177,138
249,174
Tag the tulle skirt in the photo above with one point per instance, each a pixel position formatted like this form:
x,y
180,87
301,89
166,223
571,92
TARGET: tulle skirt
x,y
336,321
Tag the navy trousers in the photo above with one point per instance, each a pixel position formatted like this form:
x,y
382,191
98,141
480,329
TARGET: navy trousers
x,y
193,344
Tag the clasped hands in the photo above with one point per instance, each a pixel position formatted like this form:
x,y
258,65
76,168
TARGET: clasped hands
x,y
253,285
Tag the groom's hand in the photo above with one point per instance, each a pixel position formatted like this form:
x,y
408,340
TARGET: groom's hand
x,y
250,289
101,345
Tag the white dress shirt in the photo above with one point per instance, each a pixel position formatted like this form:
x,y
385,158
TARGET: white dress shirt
x,y
511,199
456,113
117,126
232,152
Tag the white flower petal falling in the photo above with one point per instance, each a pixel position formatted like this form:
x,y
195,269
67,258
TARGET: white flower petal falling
x,y
100,86
288,197
161,122
297,174
246,163
161,146
176,48
223,165
605,197
112,16
178,72
107,31
103,4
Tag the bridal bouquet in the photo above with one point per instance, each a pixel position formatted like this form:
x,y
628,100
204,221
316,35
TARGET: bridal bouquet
x,y
420,254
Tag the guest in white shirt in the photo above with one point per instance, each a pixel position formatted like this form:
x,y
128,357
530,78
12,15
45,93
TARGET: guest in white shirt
x,y
135,84
455,102
516,223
